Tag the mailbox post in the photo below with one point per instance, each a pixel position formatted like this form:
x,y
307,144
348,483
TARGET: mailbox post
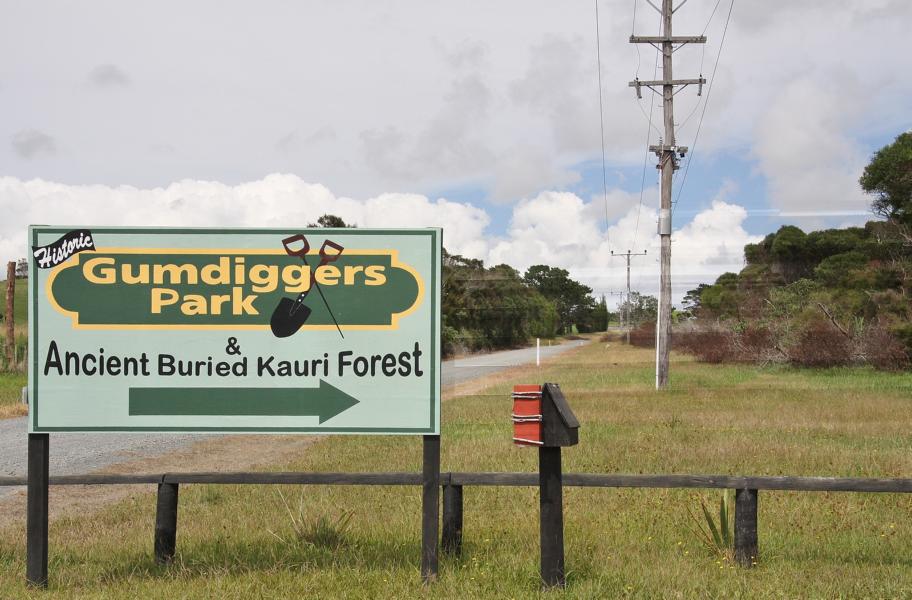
x,y
542,417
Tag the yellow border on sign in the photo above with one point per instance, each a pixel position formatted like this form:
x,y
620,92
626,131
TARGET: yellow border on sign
x,y
74,261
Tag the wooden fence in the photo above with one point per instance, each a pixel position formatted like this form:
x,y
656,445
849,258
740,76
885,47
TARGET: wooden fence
x,y
746,493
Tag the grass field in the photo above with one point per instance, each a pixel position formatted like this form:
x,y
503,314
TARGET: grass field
x,y
238,541
20,300
12,383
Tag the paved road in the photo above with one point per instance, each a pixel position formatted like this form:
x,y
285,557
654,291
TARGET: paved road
x,y
471,367
73,453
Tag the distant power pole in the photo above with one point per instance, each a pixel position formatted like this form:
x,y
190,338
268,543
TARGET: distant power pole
x,y
620,296
628,254
668,153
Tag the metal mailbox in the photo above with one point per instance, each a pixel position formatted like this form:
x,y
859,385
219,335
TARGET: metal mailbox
x,y
542,417
527,415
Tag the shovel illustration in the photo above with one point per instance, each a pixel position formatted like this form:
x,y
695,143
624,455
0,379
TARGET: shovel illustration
x,y
290,314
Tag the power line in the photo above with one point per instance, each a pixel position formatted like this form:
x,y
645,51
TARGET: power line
x,y
632,32
649,128
598,54
712,79
702,58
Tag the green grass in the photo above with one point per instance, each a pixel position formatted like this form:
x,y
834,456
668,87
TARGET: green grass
x,y
619,543
20,301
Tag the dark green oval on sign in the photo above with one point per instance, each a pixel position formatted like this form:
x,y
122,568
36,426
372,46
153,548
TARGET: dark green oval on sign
x,y
130,304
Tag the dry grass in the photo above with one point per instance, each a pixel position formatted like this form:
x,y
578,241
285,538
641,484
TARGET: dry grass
x,y
8,411
11,385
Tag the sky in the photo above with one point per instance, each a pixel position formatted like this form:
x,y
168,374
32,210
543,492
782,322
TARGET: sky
x,y
479,117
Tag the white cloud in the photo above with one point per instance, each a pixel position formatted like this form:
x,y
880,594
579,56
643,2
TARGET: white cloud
x,y
710,245
561,230
274,201
804,152
554,228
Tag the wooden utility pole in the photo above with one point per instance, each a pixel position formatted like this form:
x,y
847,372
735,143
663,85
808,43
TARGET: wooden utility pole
x,y
668,152
620,296
628,254
10,319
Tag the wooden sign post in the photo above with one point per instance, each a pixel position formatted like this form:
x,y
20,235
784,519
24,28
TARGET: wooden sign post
x,y
36,559
10,318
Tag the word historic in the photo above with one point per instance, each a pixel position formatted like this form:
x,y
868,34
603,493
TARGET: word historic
x,y
68,245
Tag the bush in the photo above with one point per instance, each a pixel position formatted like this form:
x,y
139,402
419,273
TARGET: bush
x,y
903,334
882,350
712,346
821,345
755,344
643,335
611,336
449,338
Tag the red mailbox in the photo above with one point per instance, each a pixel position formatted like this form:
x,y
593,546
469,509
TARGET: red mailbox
x,y
527,415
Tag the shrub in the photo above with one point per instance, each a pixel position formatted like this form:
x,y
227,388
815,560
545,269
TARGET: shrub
x,y
755,344
712,346
449,339
643,335
903,334
821,345
719,537
882,349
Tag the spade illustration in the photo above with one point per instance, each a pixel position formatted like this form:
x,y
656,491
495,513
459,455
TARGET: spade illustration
x,y
290,314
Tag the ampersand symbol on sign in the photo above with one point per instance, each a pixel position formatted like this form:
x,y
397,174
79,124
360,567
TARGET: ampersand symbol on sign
x,y
233,347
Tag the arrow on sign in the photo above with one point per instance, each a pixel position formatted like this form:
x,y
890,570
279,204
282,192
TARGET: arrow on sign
x,y
324,402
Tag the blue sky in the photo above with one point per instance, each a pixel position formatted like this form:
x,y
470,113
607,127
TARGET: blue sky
x,y
707,175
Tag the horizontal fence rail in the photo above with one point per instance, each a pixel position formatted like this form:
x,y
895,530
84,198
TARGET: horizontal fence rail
x,y
746,495
731,482
799,484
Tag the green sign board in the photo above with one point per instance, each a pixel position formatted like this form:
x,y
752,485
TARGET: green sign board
x,y
226,330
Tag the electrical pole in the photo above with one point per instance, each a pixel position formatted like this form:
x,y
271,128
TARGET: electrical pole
x,y
628,254
620,296
668,152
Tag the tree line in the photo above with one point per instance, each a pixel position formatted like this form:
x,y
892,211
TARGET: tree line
x,y
497,307
823,298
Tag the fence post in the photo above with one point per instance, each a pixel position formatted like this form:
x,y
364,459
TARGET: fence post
x,y
452,519
166,523
430,508
552,516
36,550
10,316
746,544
